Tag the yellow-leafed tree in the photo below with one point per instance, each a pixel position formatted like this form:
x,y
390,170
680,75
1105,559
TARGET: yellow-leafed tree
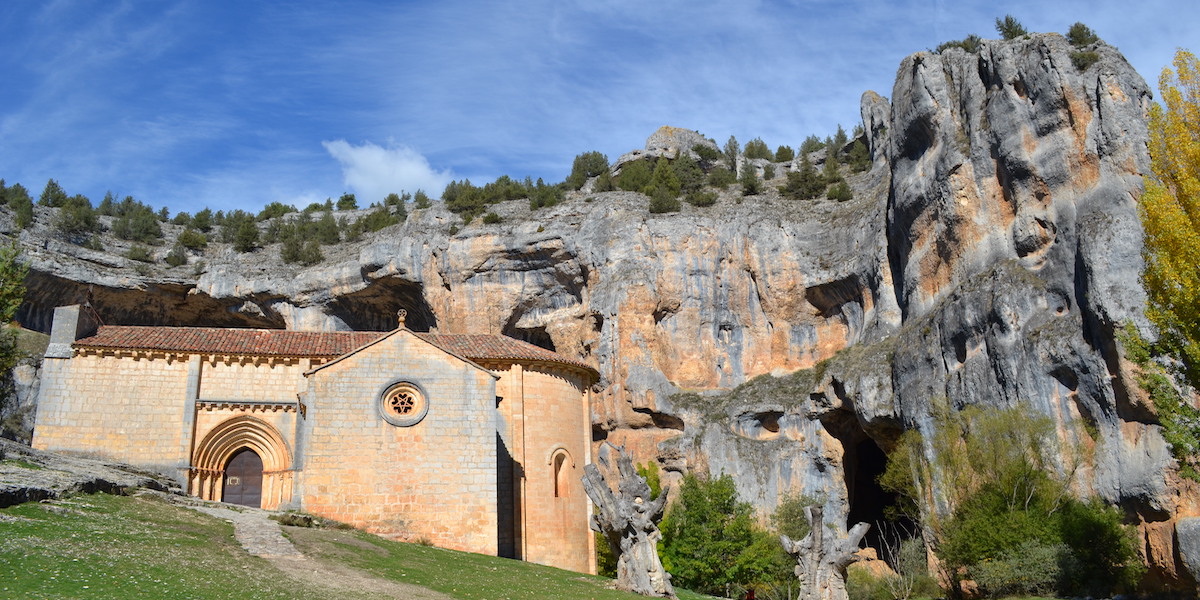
x,y
1171,212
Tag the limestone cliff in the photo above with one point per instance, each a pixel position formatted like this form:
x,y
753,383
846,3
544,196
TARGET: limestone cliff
x,y
987,257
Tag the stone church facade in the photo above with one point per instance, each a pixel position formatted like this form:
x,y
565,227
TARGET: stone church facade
x,y
470,442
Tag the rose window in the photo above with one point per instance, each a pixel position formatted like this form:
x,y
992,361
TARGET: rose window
x,y
403,404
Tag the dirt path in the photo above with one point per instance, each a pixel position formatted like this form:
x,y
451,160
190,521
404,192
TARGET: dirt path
x,y
262,536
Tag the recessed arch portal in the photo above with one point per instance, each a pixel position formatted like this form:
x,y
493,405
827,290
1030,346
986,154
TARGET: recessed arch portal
x,y
231,437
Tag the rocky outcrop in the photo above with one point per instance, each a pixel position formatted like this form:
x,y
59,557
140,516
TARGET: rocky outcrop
x,y
987,257
667,142
29,475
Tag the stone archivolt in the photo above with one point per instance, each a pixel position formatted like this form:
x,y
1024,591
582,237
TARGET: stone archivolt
x,y
226,439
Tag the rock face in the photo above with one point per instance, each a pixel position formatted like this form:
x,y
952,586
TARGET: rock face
x,y
987,258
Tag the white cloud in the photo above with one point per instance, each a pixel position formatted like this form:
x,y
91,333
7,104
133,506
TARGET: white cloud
x,y
372,172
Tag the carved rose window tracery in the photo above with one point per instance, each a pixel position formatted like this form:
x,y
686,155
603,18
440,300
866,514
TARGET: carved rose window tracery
x,y
403,404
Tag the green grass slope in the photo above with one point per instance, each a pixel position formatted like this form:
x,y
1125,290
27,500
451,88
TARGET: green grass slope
x,y
103,546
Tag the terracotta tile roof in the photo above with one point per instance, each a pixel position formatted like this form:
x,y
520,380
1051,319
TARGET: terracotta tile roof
x,y
280,342
218,340
497,347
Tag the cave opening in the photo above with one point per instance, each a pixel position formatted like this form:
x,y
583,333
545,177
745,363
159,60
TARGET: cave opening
x,y
374,307
863,462
538,336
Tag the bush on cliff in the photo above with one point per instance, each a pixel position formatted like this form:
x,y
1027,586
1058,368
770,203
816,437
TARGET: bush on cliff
x,y
586,166
1009,507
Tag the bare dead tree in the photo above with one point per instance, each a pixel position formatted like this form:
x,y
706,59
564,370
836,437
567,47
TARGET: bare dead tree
x,y
822,557
628,519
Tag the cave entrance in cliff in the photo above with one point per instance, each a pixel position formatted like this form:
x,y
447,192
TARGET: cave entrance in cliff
x,y
374,307
863,461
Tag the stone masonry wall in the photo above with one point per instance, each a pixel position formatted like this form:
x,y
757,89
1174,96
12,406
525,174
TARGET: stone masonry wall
x,y
545,412
262,381
78,411
556,526
434,480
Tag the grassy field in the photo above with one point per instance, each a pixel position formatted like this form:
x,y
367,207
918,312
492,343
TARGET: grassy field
x,y
102,546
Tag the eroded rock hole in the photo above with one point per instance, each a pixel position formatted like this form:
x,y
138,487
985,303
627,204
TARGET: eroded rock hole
x,y
534,335
374,307
770,420
863,461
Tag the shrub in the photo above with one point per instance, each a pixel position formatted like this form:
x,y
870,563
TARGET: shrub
x,y
811,144
1083,60
789,518
971,44
804,183
245,233
371,222
604,183
399,204
634,176
327,231
275,209
785,154
861,584
1009,504
699,198
76,219
347,202
721,177
203,221
177,256
840,191
751,184
710,539
708,155
731,151
542,195
1031,569
1010,28
491,218
662,201
316,207
858,158
756,148
139,253
17,198
663,180
586,166
421,199
1081,35
830,173
297,250
688,173
137,222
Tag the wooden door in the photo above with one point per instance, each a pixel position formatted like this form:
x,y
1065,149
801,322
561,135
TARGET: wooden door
x,y
243,479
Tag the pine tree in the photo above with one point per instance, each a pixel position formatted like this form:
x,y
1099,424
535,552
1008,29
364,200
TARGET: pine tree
x,y
663,180
53,195
804,183
1010,28
731,152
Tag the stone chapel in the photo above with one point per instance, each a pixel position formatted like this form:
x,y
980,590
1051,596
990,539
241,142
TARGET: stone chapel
x,y
470,442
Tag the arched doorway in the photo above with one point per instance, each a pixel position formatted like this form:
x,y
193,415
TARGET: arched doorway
x,y
254,447
243,479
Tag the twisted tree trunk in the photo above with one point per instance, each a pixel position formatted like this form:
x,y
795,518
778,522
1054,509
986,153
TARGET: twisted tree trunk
x,y
822,557
629,521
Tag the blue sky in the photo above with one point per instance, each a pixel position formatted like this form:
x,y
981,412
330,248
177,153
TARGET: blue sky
x,y
237,104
